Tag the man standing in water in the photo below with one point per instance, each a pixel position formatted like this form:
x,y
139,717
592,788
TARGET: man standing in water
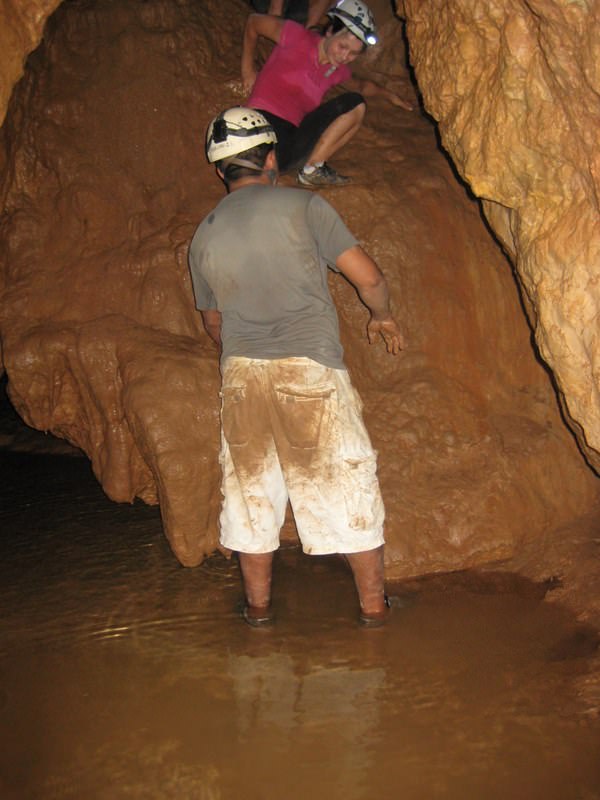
x,y
291,420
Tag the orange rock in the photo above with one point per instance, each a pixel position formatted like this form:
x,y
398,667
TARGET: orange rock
x,y
104,183
515,90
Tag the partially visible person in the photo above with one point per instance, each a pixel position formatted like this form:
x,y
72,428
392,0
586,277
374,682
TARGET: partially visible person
x,y
307,12
301,69
291,422
296,10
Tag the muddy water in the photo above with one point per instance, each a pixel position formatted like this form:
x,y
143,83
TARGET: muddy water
x,y
124,675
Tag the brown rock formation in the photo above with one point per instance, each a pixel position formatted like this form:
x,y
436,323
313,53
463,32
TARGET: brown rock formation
x,y
516,90
104,183
21,26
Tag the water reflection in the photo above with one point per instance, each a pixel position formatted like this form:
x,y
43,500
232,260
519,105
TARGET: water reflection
x,y
124,675
330,714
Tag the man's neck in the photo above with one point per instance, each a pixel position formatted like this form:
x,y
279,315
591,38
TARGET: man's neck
x,y
260,180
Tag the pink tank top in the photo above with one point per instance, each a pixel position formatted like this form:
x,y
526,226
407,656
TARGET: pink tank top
x,y
292,82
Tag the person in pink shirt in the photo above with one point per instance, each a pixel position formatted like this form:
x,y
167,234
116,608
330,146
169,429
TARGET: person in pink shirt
x,y
302,68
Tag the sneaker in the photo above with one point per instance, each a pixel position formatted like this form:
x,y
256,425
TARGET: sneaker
x,y
322,176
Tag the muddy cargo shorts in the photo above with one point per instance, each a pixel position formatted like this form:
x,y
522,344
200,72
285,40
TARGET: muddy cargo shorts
x,y
293,429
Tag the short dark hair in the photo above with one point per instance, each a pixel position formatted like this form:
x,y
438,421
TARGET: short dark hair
x,y
256,155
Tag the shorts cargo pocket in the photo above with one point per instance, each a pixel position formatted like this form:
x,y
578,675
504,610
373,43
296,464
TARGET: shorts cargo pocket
x,y
364,505
234,416
301,414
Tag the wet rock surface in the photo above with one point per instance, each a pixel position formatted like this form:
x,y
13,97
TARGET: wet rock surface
x,y
103,186
515,88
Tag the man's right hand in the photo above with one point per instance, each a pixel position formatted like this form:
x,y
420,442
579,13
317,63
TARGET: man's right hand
x,y
390,333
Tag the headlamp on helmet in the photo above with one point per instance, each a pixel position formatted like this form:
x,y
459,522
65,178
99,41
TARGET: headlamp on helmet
x,y
357,17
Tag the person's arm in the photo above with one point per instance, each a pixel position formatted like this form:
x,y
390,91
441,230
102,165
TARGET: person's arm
x,y
317,9
371,285
257,25
371,89
212,324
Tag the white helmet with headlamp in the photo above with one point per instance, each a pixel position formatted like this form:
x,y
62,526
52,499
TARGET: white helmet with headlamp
x,y
235,130
357,17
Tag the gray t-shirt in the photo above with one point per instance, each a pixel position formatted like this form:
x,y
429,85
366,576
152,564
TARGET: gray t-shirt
x,y
261,259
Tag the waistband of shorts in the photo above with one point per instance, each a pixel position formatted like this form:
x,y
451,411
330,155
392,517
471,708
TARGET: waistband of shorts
x,y
291,360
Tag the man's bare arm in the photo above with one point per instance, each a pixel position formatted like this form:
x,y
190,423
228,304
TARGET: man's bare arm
x,y
212,325
371,285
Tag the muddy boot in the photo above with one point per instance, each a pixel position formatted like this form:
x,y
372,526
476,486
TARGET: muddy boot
x,y
367,568
257,570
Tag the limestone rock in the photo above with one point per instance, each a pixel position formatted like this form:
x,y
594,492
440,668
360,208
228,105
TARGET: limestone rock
x,y
515,88
21,26
104,183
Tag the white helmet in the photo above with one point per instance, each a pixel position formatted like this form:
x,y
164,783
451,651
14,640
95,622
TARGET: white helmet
x,y
357,17
235,130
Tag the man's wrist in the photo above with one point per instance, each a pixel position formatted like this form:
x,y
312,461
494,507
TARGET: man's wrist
x,y
381,316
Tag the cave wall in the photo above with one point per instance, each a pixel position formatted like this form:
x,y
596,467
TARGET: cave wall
x,y
515,88
104,180
21,26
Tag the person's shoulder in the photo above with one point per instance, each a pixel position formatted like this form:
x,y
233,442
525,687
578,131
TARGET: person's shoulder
x,y
292,33
209,219
320,212
293,28
275,201
317,203
291,195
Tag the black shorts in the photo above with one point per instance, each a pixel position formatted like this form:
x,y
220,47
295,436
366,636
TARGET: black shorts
x,y
295,143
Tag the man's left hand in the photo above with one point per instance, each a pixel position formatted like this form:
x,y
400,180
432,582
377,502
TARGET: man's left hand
x,y
390,333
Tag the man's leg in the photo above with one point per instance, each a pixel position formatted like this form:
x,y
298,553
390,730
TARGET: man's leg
x,y
331,477
257,570
367,568
254,491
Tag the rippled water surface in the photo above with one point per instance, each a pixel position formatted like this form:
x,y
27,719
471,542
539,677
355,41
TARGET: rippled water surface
x,y
124,675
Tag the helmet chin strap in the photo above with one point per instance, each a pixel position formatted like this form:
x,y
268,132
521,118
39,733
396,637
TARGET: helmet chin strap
x,y
242,162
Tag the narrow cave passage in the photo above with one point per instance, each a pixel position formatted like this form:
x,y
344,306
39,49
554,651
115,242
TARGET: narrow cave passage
x,y
125,675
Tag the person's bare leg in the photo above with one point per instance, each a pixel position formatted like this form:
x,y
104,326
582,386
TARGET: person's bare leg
x,y
316,12
257,570
367,569
276,8
337,134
